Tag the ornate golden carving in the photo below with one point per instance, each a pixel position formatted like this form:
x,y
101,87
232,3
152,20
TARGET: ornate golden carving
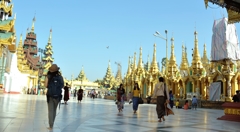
x,y
7,41
232,111
9,26
5,8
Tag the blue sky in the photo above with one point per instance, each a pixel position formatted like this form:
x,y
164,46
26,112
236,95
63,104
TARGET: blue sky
x,y
82,29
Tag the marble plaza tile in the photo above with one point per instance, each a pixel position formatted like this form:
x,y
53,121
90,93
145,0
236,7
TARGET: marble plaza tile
x,y
28,113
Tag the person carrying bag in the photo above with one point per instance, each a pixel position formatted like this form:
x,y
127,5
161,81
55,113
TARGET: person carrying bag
x,y
160,91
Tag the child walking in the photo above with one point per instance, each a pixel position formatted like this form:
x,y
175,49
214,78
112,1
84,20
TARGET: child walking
x,y
177,104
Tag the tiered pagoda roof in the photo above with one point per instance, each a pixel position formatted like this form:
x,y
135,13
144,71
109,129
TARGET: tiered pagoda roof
x,y
82,76
30,48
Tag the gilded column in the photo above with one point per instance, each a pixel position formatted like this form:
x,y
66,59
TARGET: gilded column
x,y
193,86
184,90
224,88
238,85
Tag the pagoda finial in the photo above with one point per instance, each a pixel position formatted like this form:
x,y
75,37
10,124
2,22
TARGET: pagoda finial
x,y
205,59
33,21
196,56
50,37
134,62
172,50
20,41
172,61
184,63
154,60
129,66
140,65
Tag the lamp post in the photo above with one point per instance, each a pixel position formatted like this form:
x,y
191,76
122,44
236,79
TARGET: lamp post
x,y
40,73
157,34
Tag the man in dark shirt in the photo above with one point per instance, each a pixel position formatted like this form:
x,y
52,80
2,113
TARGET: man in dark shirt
x,y
236,97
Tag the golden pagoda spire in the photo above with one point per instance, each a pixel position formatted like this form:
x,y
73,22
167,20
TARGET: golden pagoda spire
x,y
196,55
205,59
140,65
34,19
172,65
184,63
134,62
20,42
154,66
50,37
129,66
172,58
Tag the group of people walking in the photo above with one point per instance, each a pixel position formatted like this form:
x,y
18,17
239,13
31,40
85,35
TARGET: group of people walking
x,y
54,82
160,94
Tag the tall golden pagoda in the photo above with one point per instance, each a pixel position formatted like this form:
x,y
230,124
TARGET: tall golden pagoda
x,y
140,72
81,76
184,72
184,63
7,36
47,60
205,60
108,79
196,69
173,74
22,61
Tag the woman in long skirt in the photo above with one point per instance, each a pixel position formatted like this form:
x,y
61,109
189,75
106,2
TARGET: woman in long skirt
x,y
161,92
120,97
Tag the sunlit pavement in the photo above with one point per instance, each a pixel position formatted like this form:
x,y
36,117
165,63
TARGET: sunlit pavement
x,y
28,113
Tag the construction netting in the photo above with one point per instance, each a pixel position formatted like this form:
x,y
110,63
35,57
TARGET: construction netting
x,y
225,44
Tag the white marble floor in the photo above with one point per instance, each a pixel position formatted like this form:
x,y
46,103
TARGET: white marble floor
x,y
28,113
